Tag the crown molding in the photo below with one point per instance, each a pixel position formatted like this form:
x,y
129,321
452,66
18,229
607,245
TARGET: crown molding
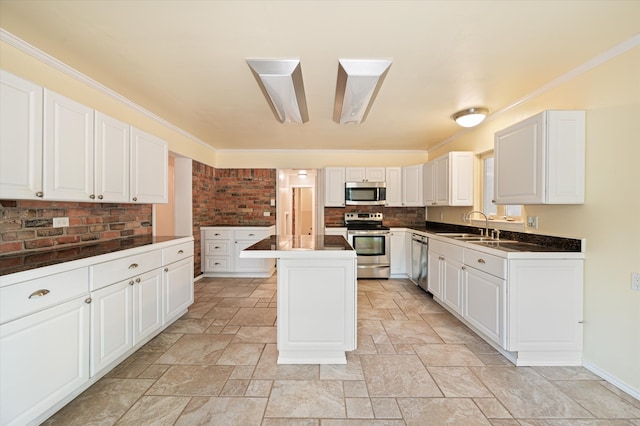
x,y
23,46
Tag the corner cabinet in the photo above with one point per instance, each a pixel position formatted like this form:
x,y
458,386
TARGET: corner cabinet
x,y
541,160
221,248
448,180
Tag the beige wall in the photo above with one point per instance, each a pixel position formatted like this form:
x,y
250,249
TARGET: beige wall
x,y
610,217
608,220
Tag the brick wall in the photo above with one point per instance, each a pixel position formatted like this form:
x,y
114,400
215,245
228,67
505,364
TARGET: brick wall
x,y
230,197
393,216
28,224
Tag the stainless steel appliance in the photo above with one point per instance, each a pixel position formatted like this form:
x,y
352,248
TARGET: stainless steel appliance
x,y
419,260
365,193
371,241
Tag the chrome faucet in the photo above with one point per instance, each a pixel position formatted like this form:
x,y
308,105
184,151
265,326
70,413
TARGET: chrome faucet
x,y
467,216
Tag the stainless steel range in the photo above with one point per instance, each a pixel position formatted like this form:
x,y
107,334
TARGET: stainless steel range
x,y
370,239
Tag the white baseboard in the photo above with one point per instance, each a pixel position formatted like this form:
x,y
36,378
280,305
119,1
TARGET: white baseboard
x,y
613,380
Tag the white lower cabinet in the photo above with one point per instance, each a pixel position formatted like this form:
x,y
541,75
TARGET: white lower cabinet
x,y
178,288
447,278
221,248
434,282
485,296
400,251
44,358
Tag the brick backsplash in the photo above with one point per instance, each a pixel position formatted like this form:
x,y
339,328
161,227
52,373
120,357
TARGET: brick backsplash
x,y
230,197
393,216
28,224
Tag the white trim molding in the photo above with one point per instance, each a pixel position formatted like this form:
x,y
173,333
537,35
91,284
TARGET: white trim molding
x,y
613,380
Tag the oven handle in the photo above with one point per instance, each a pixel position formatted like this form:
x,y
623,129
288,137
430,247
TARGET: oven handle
x,y
372,232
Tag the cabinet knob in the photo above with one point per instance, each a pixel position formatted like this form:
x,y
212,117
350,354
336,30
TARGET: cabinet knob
x,y
40,194
217,263
216,234
133,266
39,293
481,261
92,196
88,300
135,198
137,280
216,247
131,282
252,235
100,197
440,258
166,269
180,251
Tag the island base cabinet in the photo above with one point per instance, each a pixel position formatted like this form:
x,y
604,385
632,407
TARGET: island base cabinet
x,y
316,310
545,299
33,381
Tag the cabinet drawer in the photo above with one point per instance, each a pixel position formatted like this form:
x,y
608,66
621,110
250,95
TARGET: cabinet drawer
x,y
177,252
251,235
104,274
449,251
217,234
216,264
22,299
494,265
216,247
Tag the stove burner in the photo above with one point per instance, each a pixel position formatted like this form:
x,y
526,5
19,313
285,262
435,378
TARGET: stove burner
x,y
364,221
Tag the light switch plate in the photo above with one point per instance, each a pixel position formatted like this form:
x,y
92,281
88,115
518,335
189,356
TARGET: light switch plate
x,y
532,222
59,222
635,281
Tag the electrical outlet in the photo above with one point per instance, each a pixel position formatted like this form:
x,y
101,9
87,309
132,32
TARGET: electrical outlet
x,y
266,213
59,222
635,281
532,222
273,203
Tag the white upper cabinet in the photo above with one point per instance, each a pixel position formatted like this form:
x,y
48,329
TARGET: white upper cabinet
x,y
68,149
412,186
334,179
112,152
20,138
365,174
394,186
541,160
149,168
448,180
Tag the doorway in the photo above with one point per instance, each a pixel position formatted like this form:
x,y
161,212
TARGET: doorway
x,y
297,201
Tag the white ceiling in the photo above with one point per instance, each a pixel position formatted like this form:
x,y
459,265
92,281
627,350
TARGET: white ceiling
x,y
185,60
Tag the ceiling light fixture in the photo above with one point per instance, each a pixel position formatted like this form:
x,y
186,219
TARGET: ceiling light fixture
x,y
470,117
281,83
359,81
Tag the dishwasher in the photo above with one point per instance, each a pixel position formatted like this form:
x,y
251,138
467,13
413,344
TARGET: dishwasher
x,y
419,261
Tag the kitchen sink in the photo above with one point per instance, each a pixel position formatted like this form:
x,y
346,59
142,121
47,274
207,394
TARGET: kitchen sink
x,y
456,235
474,238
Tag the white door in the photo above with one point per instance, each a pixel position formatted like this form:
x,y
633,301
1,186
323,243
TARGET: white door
x,y
112,145
44,357
68,149
442,181
484,298
412,186
394,186
111,323
20,138
147,305
149,168
434,274
334,179
178,288
452,283
429,171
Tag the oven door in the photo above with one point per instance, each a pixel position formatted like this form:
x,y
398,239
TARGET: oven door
x,y
372,249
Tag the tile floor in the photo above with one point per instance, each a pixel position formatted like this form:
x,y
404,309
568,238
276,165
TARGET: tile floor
x,y
415,365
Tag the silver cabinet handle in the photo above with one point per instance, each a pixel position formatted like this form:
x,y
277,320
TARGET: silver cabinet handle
x,y
133,266
88,300
166,269
131,282
137,280
463,268
180,251
92,196
216,234
40,194
39,293
440,258
216,247
217,263
100,197
252,235
481,261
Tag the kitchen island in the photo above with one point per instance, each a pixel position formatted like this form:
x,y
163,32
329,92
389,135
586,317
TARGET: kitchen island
x,y
317,295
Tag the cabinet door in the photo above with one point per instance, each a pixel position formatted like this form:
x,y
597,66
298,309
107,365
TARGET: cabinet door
x,y
412,186
442,181
434,280
112,144
429,171
519,163
461,178
44,358
398,253
147,305
149,168
375,174
111,323
452,284
334,179
249,265
20,138
485,306
178,288
355,174
394,186
68,149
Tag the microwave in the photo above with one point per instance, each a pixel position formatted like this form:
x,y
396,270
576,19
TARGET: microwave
x,y
365,193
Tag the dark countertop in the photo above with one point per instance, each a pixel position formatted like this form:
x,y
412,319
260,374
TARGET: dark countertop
x,y
25,261
301,242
